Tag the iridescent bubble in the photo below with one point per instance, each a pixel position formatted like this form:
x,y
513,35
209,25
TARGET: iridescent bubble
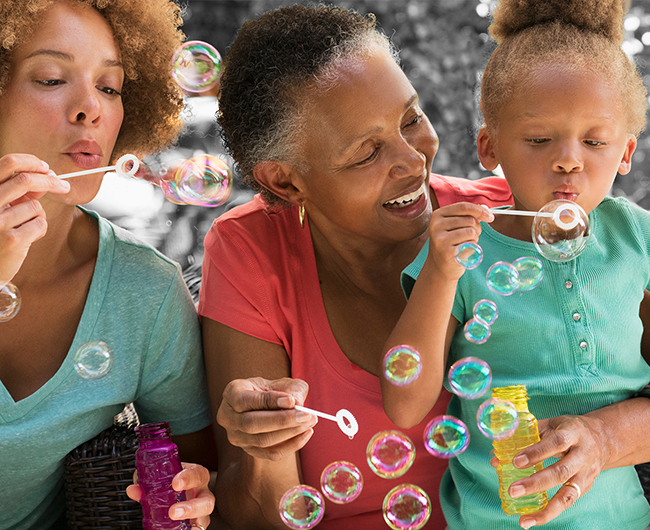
x,y
470,377
93,360
446,437
406,507
486,311
196,66
561,230
341,482
402,365
502,278
476,331
10,300
203,180
497,418
530,272
469,255
390,454
302,507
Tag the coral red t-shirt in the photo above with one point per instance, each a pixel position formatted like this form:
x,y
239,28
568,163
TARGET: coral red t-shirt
x,y
260,278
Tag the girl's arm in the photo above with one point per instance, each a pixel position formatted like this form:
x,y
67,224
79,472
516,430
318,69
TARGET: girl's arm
x,y
258,431
427,324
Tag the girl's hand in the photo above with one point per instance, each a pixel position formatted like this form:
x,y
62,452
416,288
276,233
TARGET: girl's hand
x,y
199,504
23,180
449,227
582,454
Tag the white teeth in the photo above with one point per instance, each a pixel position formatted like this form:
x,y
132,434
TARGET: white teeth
x,y
408,198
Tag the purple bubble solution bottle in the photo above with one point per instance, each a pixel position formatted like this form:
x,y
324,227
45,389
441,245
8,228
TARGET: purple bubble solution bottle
x,y
157,462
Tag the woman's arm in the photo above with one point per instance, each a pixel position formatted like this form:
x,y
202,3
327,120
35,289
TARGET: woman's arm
x,y
257,440
426,323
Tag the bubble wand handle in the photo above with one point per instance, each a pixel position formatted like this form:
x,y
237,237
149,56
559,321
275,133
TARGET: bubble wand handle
x,y
520,212
317,413
119,167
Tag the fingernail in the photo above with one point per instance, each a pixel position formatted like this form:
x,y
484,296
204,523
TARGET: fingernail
x,y
303,417
517,491
285,402
520,461
65,185
527,524
178,512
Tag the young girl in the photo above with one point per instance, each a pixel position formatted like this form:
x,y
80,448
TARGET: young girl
x,y
562,108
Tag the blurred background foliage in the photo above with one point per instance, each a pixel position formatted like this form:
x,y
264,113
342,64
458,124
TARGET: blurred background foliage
x,y
444,45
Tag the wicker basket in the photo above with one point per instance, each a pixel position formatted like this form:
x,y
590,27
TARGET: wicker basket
x,y
643,470
96,475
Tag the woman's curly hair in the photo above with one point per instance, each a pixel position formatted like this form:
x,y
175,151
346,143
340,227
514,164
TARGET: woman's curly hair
x,y
267,71
580,33
146,34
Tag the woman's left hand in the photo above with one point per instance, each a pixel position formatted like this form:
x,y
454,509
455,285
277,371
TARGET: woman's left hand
x,y
199,503
577,442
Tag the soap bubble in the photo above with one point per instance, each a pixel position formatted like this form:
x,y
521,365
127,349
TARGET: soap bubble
x,y
470,377
203,180
341,482
446,437
406,507
402,365
561,230
502,278
486,311
530,272
10,300
469,255
302,507
497,418
196,66
476,331
390,454
93,360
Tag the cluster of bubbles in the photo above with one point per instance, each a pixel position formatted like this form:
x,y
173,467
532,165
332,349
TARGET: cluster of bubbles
x,y
196,66
93,359
477,329
203,180
10,301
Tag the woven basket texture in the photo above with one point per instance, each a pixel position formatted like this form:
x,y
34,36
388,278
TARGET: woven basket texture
x,y
643,470
96,476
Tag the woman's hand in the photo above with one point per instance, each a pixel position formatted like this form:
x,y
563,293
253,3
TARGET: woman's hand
x,y
199,504
451,226
23,180
259,416
578,443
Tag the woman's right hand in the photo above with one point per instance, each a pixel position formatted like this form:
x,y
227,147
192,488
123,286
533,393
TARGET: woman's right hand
x,y
23,180
259,416
451,226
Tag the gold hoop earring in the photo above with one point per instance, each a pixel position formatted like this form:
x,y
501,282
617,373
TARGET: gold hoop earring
x,y
301,214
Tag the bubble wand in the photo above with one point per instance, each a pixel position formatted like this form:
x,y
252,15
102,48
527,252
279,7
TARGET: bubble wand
x,y
120,168
342,416
572,209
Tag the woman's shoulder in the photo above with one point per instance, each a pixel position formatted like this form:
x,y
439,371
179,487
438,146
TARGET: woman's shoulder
x,y
491,191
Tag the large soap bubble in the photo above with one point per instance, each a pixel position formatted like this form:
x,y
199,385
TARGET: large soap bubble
x,y
302,507
497,418
402,365
341,482
446,437
406,507
502,278
10,301
390,454
561,230
196,66
469,255
530,272
470,377
93,359
203,180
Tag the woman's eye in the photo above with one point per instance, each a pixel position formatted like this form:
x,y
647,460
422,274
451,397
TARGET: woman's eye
x,y
368,158
110,91
415,121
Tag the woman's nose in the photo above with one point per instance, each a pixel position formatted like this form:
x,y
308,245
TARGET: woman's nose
x,y
85,106
408,160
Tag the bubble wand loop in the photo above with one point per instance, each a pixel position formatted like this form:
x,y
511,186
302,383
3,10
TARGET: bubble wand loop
x,y
351,427
119,167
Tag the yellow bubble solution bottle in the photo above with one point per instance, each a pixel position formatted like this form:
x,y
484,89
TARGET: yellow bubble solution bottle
x,y
506,449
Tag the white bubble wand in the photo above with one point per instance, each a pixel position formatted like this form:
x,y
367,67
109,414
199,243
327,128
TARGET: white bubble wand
x,y
556,215
344,419
121,168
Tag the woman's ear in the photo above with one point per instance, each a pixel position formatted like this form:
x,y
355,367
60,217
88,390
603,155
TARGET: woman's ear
x,y
626,161
485,148
277,177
